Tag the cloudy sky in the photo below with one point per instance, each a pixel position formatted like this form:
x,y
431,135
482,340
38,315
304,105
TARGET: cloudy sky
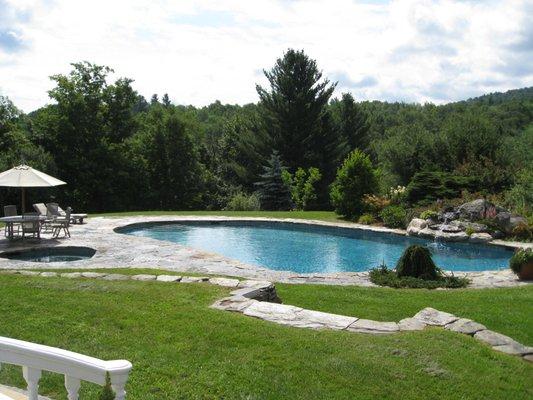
x,y
202,50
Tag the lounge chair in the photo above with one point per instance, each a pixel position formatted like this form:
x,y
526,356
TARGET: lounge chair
x,y
61,223
11,211
58,211
42,210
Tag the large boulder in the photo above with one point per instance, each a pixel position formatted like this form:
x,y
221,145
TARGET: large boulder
x,y
415,226
507,221
476,209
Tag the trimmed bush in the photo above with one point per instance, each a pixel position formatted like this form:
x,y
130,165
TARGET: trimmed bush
x,y
519,259
428,186
366,219
355,178
393,216
244,202
416,262
383,276
522,232
107,392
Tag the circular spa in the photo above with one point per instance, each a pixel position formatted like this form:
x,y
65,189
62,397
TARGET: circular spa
x,y
50,254
305,248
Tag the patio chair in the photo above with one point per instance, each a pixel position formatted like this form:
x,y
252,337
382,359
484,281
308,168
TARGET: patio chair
x,y
43,210
75,218
61,223
11,211
31,228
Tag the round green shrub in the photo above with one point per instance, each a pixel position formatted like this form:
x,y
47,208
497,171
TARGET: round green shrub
x,y
429,214
394,216
519,259
416,262
355,178
243,202
366,219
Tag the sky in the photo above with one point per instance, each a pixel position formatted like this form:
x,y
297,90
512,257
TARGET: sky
x,y
199,51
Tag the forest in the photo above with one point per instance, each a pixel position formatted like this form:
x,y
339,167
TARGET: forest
x,y
296,148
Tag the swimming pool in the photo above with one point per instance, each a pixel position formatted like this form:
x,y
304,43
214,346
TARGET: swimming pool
x,y
305,248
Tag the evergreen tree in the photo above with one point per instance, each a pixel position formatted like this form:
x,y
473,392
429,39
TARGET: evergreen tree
x,y
353,125
154,99
294,111
166,100
274,193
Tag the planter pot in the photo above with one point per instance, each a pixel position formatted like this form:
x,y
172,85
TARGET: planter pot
x,y
526,272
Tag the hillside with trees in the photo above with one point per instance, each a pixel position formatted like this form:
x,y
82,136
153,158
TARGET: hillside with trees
x,y
119,151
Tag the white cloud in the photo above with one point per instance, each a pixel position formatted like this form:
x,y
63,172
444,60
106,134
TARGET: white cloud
x,y
202,50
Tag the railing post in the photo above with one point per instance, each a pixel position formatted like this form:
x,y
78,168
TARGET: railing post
x,y
120,393
73,386
32,376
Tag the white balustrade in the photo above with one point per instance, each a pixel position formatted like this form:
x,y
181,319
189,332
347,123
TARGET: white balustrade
x,y
35,358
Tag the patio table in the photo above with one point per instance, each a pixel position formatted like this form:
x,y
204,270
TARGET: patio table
x,y
19,219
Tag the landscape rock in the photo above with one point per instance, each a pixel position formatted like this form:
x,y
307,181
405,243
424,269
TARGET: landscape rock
x,y
415,226
480,237
93,274
297,317
373,327
226,282
168,278
431,316
116,277
451,236
411,324
234,303
193,279
494,338
528,357
71,275
515,349
28,273
144,277
474,210
49,274
507,221
465,326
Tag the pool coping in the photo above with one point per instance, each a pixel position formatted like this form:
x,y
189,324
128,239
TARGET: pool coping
x,y
121,250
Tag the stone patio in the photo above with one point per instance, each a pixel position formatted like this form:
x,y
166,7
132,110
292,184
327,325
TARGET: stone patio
x,y
127,251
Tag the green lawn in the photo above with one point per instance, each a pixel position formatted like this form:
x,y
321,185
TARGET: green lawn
x,y
318,215
182,349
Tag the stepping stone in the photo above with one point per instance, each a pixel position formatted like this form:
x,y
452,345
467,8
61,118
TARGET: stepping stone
x,y
373,327
411,324
226,282
254,284
234,303
515,349
168,278
48,274
9,271
494,338
434,317
194,279
116,277
29,273
465,326
93,274
528,357
144,277
297,317
70,275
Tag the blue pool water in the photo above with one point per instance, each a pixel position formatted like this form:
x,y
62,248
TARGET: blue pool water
x,y
309,249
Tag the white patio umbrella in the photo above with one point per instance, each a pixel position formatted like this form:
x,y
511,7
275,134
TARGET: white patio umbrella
x,y
24,176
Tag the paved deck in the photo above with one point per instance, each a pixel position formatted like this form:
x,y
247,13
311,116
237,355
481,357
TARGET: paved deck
x,y
120,250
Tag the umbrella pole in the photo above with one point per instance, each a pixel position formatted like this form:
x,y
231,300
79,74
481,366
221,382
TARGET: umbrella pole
x,y
23,201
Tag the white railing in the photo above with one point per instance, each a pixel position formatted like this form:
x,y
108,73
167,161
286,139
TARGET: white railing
x,y
35,358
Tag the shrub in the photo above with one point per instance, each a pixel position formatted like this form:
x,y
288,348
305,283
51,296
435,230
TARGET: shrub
x,y
393,216
374,203
355,178
243,202
519,259
383,276
303,187
416,262
469,230
522,232
366,219
429,214
397,194
107,392
428,186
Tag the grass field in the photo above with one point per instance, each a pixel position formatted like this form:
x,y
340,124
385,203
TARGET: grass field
x,y
182,349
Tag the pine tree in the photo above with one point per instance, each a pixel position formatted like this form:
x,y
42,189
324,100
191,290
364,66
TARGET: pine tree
x,y
107,392
294,110
273,191
166,100
353,124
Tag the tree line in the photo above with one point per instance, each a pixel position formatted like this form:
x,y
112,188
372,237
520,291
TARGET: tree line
x,y
119,151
